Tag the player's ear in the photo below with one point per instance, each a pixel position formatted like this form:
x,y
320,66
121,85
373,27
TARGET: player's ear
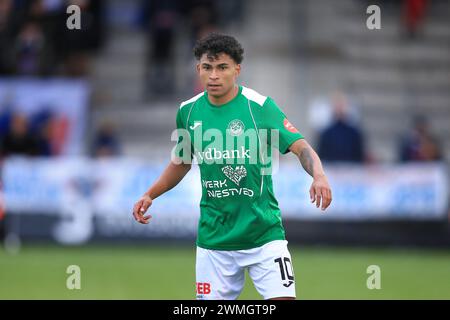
x,y
198,67
237,69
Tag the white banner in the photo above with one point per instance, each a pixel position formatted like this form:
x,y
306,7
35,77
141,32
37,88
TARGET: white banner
x,y
413,191
85,192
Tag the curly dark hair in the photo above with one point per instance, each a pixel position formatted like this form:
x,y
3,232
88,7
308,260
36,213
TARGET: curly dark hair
x,y
214,44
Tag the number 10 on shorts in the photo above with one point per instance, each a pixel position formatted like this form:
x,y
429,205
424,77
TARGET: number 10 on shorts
x,y
286,272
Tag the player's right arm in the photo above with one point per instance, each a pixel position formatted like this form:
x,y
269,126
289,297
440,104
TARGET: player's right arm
x,y
171,176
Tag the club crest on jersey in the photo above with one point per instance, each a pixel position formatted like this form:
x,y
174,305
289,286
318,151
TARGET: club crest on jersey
x,y
235,174
236,127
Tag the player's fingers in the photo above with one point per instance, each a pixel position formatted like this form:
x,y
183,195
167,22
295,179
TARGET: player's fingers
x,y
318,198
139,218
145,206
326,198
135,215
138,205
330,197
146,220
136,209
312,194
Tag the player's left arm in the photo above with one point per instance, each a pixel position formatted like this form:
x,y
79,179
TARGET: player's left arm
x,y
320,191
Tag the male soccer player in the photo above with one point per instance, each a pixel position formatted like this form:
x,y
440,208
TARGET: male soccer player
x,y
240,224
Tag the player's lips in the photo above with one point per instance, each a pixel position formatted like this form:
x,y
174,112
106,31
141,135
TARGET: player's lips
x,y
214,85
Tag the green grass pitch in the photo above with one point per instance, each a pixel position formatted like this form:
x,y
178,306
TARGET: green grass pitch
x,y
158,272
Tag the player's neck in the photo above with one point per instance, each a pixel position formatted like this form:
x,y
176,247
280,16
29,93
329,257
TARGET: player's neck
x,y
230,95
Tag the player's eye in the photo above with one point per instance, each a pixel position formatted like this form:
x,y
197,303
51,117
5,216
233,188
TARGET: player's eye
x,y
206,67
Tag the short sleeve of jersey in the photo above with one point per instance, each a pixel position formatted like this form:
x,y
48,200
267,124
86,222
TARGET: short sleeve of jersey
x,y
179,120
274,118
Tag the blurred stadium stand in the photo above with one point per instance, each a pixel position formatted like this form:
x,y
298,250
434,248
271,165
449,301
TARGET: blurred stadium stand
x,y
296,58
295,51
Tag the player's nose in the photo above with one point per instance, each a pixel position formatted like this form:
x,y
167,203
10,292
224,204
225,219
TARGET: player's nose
x,y
213,75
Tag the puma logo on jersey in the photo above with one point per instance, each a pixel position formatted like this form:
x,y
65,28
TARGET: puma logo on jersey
x,y
236,174
196,124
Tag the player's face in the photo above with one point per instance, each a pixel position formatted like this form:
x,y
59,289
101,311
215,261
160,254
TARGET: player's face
x,y
218,74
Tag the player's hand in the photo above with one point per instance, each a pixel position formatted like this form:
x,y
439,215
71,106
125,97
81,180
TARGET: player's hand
x,y
140,208
320,192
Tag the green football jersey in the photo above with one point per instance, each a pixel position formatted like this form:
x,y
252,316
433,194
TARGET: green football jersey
x,y
232,145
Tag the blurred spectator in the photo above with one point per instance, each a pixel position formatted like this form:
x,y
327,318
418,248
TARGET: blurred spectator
x,y
42,44
19,140
419,144
342,140
5,118
50,15
414,12
31,54
76,46
106,143
161,18
42,127
203,18
6,36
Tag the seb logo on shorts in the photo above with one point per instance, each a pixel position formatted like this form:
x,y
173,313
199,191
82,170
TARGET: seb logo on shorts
x,y
203,288
289,126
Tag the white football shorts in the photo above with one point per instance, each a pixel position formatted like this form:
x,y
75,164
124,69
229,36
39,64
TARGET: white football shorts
x,y
220,274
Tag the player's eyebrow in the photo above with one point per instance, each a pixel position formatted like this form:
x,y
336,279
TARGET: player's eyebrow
x,y
224,64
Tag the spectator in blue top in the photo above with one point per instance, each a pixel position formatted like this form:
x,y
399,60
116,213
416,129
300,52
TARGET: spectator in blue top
x,y
342,140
